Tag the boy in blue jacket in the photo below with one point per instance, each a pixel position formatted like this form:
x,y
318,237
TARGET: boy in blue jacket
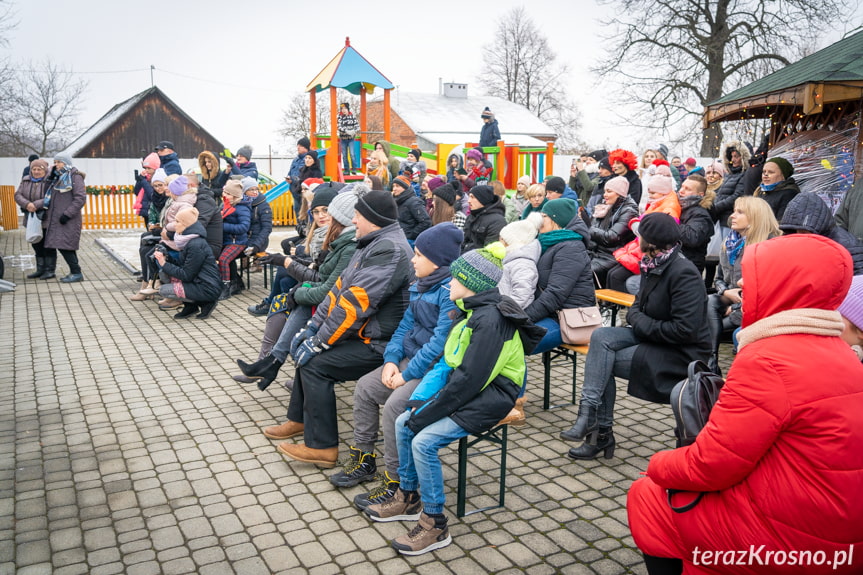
x,y
417,342
468,391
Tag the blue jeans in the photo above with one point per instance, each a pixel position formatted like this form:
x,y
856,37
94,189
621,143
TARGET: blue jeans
x,y
296,321
552,337
349,150
419,464
282,283
610,354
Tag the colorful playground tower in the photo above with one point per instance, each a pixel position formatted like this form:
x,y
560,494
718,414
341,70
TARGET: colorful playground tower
x,y
352,72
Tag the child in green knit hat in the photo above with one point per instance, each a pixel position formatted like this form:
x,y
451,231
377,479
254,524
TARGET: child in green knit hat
x,y
468,391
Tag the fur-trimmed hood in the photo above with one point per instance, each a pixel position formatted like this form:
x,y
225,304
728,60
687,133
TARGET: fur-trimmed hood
x,y
725,153
205,173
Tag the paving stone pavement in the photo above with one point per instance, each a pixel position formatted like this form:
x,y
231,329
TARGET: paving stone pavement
x,y
126,447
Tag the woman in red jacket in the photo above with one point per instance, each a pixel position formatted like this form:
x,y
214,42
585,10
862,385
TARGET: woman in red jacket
x,y
781,458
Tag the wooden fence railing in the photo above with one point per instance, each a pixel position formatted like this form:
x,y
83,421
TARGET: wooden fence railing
x,y
105,210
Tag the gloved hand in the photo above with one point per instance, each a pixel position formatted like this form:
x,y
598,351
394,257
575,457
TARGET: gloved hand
x,y
309,349
230,161
304,334
273,259
63,219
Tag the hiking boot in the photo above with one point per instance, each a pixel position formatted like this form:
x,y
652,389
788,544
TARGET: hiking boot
x,y
325,458
262,308
400,507
430,533
381,493
286,430
359,468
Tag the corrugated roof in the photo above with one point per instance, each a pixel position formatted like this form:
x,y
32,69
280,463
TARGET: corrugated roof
x,y
472,136
842,61
434,113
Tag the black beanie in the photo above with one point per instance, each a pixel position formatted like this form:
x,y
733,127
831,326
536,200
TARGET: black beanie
x,y
378,207
659,229
322,198
304,142
605,164
484,194
416,152
555,184
445,192
598,154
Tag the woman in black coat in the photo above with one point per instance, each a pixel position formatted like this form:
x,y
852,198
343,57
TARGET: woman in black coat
x,y
193,278
413,217
667,330
487,217
565,280
609,228
777,187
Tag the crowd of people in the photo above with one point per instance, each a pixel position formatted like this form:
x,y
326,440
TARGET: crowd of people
x,y
430,291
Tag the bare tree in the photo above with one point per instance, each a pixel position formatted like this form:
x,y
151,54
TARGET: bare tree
x,y
7,22
521,67
40,110
676,56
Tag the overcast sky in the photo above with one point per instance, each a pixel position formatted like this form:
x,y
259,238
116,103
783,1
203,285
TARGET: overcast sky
x,y
232,66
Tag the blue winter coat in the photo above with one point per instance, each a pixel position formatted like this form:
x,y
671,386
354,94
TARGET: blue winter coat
x,y
422,332
262,223
171,164
236,225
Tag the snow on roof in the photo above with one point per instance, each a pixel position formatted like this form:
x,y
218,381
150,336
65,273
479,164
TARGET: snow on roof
x,y
435,113
102,124
473,136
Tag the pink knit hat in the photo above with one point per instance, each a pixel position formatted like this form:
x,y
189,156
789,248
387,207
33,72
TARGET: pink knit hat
x,y
152,161
619,185
661,182
852,308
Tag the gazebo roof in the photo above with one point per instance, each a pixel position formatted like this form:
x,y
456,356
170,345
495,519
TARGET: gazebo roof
x,y
832,74
349,70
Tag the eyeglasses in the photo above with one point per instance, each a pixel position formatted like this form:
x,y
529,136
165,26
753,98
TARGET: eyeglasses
x,y
319,212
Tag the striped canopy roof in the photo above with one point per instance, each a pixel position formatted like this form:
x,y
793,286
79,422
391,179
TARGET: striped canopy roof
x,y
348,70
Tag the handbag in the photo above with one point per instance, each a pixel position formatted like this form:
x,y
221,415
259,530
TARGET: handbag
x,y
577,324
33,231
715,245
692,400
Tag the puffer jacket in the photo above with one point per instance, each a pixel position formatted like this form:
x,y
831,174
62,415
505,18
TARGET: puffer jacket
x,y
339,253
478,377
780,462
413,217
520,275
635,185
371,295
196,267
236,224
262,223
808,212
565,280
669,317
210,216
483,226
70,203
171,164
696,229
779,197
29,191
423,330
611,232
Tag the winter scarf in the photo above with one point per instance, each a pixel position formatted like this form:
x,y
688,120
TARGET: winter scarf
x,y
805,320
549,239
64,182
182,239
648,263
733,246
431,280
227,208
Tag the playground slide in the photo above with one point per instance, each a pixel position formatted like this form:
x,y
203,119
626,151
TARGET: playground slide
x,y
277,191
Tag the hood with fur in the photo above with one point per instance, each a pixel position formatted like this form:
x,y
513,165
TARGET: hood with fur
x,y
205,173
725,151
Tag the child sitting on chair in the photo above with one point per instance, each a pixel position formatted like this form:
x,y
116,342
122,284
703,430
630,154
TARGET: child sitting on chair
x,y
466,392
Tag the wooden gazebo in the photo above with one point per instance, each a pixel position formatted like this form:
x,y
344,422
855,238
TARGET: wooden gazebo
x,y
350,71
823,91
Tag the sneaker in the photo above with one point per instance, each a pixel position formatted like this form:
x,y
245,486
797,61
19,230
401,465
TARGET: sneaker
x,y
397,508
426,536
359,468
380,494
260,309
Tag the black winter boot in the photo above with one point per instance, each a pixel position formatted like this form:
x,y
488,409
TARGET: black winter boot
x,y
40,269
226,291
207,308
599,441
264,371
189,309
713,364
50,267
586,422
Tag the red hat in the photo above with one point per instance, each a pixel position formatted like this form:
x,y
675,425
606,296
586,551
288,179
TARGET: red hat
x,y
625,157
690,162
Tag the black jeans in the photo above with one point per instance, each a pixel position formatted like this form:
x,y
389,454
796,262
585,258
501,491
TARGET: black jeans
x,y
616,278
313,400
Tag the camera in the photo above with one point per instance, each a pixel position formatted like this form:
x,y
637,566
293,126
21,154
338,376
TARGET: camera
x,y
162,249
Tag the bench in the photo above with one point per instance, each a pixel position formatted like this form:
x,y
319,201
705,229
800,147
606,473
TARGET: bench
x,y
497,435
608,299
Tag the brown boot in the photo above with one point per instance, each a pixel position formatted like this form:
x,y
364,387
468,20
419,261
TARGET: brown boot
x,y
516,414
284,431
141,296
325,458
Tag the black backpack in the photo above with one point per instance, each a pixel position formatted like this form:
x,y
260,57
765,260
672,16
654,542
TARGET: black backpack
x,y
691,401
